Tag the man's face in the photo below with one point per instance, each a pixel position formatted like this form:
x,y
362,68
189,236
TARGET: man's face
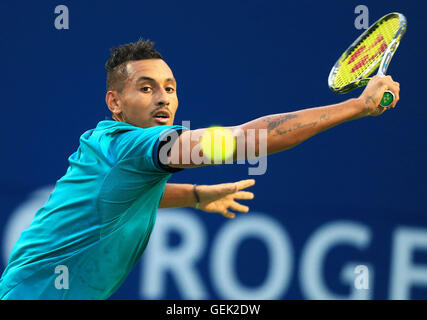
x,y
149,95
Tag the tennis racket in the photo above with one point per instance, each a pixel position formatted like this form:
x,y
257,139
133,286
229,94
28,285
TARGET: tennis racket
x,y
373,49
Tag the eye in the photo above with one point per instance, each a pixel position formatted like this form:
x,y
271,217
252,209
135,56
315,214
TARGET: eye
x,y
146,89
170,89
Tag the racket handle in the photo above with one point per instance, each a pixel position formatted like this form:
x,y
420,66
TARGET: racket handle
x,y
387,99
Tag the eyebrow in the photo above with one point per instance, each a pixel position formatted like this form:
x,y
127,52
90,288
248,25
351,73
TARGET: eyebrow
x,y
144,78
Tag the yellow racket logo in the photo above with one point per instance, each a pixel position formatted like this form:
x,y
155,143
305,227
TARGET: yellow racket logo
x,y
364,53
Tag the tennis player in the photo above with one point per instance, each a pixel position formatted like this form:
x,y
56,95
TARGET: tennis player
x,y
98,220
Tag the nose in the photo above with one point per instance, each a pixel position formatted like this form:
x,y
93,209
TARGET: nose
x,y
163,98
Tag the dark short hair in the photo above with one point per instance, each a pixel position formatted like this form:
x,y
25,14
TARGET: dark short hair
x,y
121,55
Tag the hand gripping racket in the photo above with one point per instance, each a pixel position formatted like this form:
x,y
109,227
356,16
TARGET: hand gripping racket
x,y
373,49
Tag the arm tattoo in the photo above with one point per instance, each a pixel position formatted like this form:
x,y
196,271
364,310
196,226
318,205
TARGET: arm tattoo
x,y
275,123
296,126
368,100
324,117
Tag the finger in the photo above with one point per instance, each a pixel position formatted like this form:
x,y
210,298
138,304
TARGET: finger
x,y
243,184
238,207
244,195
397,84
227,188
395,89
228,214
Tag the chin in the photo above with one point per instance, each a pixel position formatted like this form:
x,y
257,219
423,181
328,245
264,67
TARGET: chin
x,y
158,124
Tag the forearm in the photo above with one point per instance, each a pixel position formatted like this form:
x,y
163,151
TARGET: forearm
x,y
286,130
178,196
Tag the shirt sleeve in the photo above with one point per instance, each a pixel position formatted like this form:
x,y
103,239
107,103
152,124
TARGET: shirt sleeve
x,y
141,147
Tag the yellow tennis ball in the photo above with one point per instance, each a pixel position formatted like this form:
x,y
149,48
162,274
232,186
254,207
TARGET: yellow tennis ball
x,y
218,144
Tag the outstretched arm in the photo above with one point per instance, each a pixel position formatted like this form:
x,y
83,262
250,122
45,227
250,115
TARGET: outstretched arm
x,y
217,198
286,130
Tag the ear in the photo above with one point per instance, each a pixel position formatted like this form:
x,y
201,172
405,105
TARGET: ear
x,y
112,99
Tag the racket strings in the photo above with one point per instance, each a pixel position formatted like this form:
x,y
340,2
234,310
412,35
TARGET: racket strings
x,y
367,53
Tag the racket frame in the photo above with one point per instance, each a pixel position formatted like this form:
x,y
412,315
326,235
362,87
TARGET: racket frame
x,y
383,62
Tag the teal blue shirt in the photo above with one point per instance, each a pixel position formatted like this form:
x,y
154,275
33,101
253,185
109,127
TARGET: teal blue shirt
x,y
97,221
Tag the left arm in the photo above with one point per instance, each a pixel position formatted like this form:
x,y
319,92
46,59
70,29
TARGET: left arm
x,y
217,198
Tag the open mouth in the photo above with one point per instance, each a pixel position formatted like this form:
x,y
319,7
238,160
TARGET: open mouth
x,y
161,116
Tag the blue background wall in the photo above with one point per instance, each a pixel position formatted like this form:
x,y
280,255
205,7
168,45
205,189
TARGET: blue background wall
x,y
356,191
